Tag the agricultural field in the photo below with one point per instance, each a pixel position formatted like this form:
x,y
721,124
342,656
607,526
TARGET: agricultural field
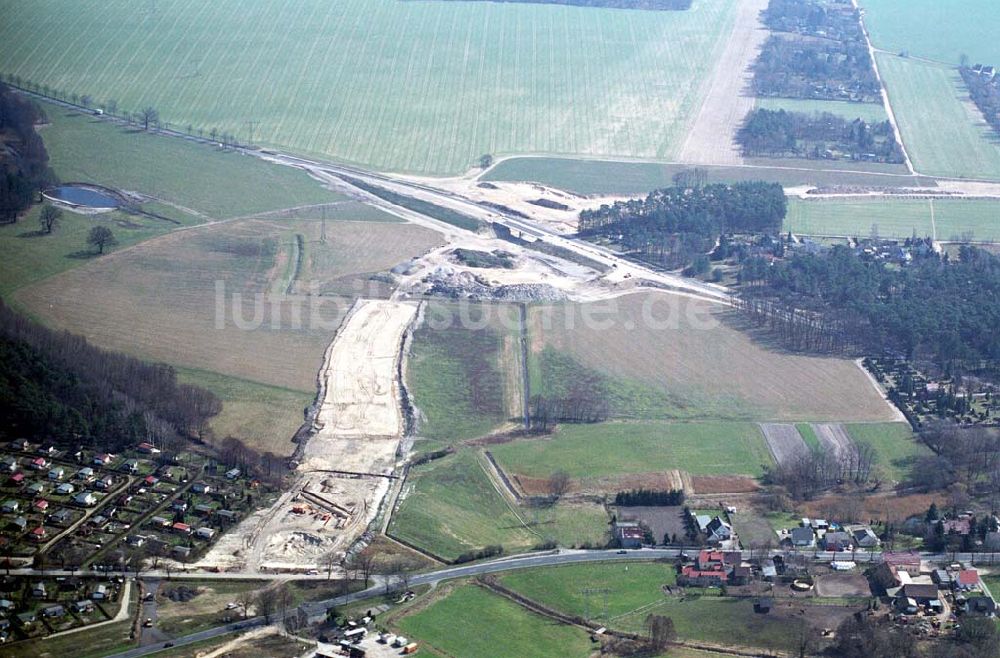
x,y
165,292
944,219
418,86
639,178
697,356
870,112
633,586
189,177
460,377
450,506
935,30
635,592
608,451
895,444
490,626
944,133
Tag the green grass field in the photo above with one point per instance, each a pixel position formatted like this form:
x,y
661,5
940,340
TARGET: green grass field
x,y
870,112
944,133
451,506
808,435
639,178
607,449
264,416
491,625
455,377
946,219
895,444
411,86
632,586
937,30
635,592
210,181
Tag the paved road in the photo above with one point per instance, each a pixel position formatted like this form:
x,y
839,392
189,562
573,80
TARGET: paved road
x,y
317,609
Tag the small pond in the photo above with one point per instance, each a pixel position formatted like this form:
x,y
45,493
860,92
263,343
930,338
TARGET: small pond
x,y
79,195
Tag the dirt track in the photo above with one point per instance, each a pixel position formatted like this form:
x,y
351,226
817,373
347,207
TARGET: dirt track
x,y
711,138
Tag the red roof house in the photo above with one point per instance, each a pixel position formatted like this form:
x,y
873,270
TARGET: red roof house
x,y
41,504
38,534
968,578
181,527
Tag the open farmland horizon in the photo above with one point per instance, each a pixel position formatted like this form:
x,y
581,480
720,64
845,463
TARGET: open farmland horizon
x,y
424,87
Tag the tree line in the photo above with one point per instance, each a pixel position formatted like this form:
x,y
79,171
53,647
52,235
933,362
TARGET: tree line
x,y
649,498
931,311
985,94
829,70
779,133
55,386
673,225
813,472
24,162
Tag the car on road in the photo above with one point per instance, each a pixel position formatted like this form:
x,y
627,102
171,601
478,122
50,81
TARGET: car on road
x,y
312,572
622,552
148,623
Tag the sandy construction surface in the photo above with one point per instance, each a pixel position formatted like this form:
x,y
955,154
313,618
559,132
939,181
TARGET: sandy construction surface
x,y
784,442
347,461
711,139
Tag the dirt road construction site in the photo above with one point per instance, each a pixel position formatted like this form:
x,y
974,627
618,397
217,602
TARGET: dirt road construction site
x,y
349,460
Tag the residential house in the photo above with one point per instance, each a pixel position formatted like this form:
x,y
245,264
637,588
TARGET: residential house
x,y
802,537
81,607
36,488
19,524
160,521
151,480
102,459
232,474
837,541
966,579
41,504
863,536
39,463
959,526
205,533
85,499
10,506
8,464
104,483
100,593
57,473
226,515
131,466
203,510
147,448
20,445
54,611
179,506
16,479
65,489
181,528
718,531
38,590
62,517
135,540
6,606
201,488
920,592
85,474
26,619
181,551
708,570
942,578
39,534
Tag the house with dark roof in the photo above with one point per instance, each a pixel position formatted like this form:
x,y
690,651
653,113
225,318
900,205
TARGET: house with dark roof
x,y
863,536
920,592
802,537
837,541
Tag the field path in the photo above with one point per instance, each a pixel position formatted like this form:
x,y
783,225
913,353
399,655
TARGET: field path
x,y
784,442
712,138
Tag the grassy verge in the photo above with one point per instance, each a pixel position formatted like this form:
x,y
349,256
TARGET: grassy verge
x,y
589,451
870,112
440,213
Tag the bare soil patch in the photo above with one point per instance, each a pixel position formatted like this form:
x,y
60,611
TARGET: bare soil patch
x,y
721,484
835,441
837,585
784,442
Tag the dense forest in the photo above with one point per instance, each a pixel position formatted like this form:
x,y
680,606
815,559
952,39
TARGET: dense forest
x,y
779,133
24,169
656,5
932,310
55,386
816,69
672,226
985,94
